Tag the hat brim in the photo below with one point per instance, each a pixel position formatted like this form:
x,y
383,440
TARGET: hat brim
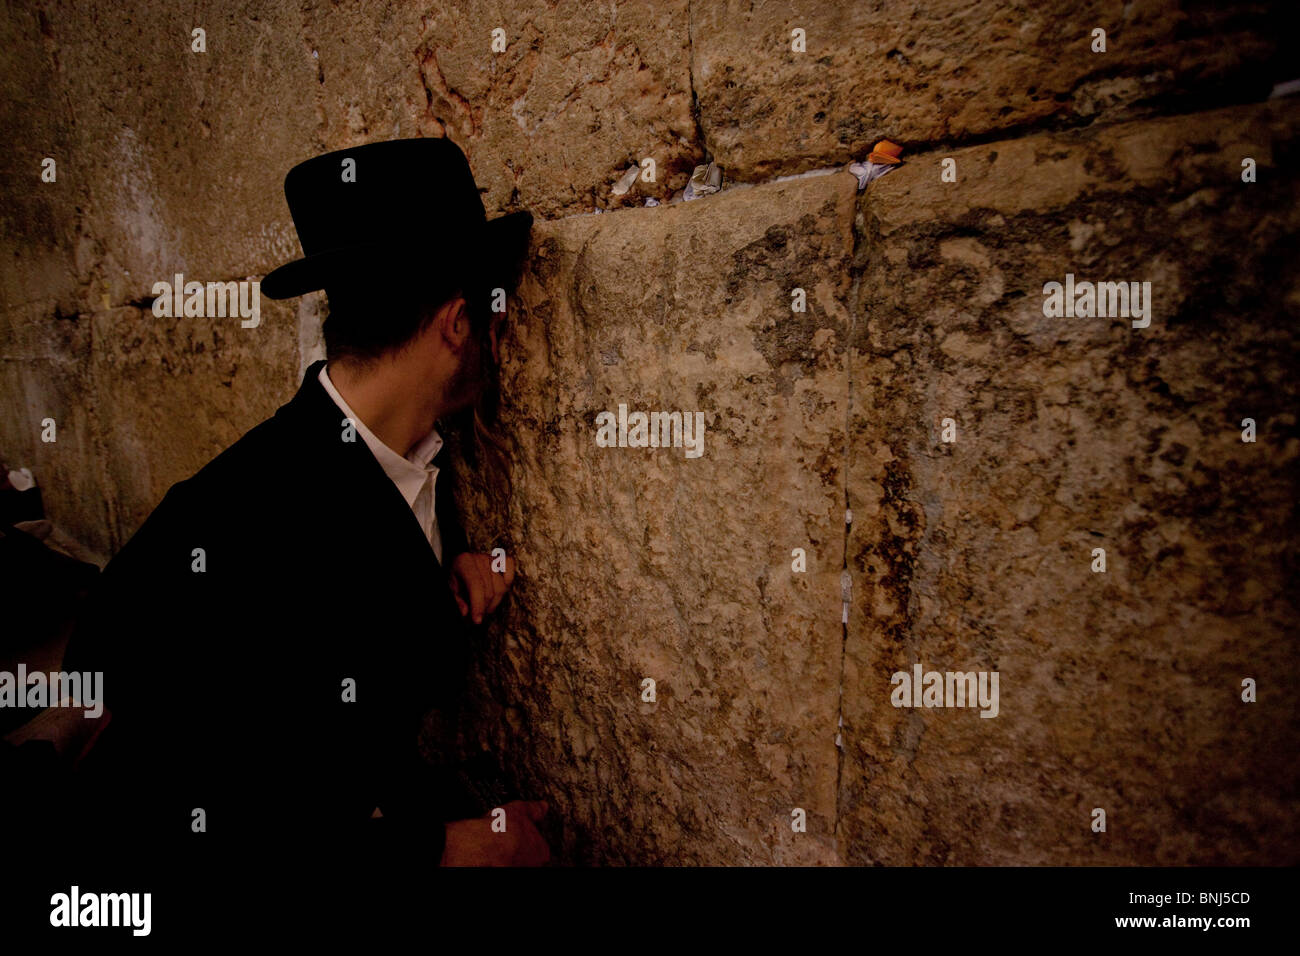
x,y
491,253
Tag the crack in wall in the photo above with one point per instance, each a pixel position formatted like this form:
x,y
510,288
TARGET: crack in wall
x,y
690,75
448,95
856,268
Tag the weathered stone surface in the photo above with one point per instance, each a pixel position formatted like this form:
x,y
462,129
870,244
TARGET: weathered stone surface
x,y
578,93
923,72
139,403
179,157
643,563
43,375
173,160
172,393
38,220
581,92
1118,690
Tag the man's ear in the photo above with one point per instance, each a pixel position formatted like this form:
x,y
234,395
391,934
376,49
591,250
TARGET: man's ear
x,y
452,322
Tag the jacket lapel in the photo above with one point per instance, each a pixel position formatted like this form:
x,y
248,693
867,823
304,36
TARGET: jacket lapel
x,y
357,483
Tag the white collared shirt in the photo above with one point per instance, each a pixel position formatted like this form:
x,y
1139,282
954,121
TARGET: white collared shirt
x,y
413,475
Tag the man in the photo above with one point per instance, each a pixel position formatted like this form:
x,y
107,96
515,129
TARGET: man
x,y
274,632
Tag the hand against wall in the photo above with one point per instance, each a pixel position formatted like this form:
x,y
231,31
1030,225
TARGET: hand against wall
x,y
513,841
477,588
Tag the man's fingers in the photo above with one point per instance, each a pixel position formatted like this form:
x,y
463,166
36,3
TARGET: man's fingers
x,y
538,852
535,810
488,580
544,849
476,602
531,848
480,590
455,592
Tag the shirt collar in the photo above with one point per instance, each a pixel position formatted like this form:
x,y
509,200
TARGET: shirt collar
x,y
409,473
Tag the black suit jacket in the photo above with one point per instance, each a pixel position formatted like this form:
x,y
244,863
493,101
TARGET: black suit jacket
x,y
227,684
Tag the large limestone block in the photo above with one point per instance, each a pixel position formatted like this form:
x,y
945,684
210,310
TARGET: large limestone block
x,y
43,379
38,220
171,394
639,563
180,156
925,72
1119,690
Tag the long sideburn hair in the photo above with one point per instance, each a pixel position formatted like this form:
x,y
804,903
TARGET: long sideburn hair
x,y
477,436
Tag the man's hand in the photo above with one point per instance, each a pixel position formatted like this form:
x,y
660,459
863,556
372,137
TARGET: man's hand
x,y
477,588
474,843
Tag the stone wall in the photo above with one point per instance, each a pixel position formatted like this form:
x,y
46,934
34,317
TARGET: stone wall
x,y
1119,690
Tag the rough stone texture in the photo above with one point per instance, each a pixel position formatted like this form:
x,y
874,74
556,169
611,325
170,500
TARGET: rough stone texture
x,y
1118,690
922,72
147,373
173,161
168,161
180,155
37,220
643,563
44,374
581,92
44,348
148,406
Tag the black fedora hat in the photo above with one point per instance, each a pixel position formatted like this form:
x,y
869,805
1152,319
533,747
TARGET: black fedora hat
x,y
390,211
